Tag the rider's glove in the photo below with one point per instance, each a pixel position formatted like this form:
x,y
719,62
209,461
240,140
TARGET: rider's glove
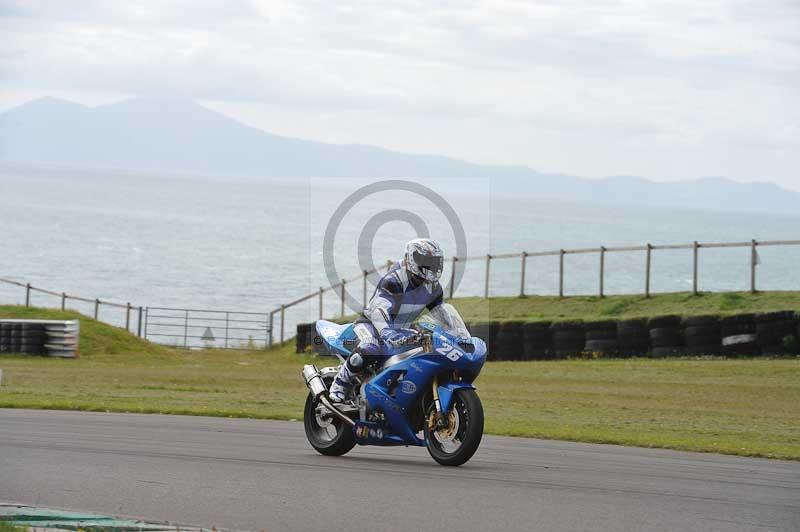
x,y
369,346
395,338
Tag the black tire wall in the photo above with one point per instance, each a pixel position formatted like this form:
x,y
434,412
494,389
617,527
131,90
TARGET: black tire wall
x,y
739,335
633,337
601,337
487,331
569,338
301,340
509,341
536,340
702,335
666,338
25,338
772,333
775,331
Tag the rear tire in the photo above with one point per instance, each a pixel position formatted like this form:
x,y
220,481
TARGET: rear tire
x,y
328,435
469,413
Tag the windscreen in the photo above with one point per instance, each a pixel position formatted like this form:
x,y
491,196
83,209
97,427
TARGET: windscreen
x,y
448,319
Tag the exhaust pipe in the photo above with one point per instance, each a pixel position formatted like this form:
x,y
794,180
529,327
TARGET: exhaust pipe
x,y
319,391
314,380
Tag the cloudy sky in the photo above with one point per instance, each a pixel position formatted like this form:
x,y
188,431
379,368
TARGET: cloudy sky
x,y
664,90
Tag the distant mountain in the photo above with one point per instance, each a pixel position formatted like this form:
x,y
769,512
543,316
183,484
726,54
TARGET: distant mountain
x,y
179,136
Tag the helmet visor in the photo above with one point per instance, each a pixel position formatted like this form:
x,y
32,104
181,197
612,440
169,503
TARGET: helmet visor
x,y
429,262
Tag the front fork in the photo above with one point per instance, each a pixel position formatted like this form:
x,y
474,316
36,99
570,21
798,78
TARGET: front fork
x,y
438,421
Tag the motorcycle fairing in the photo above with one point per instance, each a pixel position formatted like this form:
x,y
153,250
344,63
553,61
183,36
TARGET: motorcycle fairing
x,y
447,391
398,387
339,339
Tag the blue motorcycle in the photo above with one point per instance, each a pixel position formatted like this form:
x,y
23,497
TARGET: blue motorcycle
x,y
422,394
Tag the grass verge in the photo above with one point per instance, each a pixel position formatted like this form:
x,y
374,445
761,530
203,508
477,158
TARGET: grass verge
x,y
5,526
742,407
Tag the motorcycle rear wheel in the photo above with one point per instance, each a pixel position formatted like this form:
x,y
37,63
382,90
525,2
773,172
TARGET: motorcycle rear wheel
x,y
328,435
456,444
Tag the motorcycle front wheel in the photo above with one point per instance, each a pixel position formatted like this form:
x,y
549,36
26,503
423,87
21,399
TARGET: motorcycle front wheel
x,y
326,433
455,444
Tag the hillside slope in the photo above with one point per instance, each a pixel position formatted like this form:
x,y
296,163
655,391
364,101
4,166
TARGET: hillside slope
x,y
180,136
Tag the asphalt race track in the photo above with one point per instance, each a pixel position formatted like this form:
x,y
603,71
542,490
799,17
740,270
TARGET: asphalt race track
x,y
262,475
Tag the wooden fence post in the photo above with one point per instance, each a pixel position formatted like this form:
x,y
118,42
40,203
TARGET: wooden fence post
x,y
186,329
342,297
271,328
486,281
753,264
647,270
561,274
453,276
283,321
364,302
28,294
139,324
96,308
522,274
602,270
63,300
695,253
227,327
128,316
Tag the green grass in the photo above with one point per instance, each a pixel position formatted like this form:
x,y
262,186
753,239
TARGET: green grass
x,y
117,371
541,308
743,407
5,526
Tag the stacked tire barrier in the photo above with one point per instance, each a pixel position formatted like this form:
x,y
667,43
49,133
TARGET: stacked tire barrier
x,y
665,336
633,337
774,331
301,340
487,330
20,337
568,338
53,338
739,335
602,338
768,334
510,340
307,338
702,335
536,340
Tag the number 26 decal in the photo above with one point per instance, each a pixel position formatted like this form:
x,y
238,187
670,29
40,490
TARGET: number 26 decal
x,y
450,352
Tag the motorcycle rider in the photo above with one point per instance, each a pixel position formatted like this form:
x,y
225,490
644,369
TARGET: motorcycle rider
x,y
408,288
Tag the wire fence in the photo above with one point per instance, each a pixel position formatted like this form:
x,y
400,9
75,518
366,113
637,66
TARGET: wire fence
x,y
203,328
646,254
132,316
237,329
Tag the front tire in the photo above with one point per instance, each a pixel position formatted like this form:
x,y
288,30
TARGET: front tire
x,y
327,434
457,443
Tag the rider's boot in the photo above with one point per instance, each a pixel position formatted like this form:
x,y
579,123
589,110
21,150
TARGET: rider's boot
x,y
341,384
368,347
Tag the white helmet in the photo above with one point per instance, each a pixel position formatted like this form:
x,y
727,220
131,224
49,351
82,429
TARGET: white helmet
x,y
424,258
